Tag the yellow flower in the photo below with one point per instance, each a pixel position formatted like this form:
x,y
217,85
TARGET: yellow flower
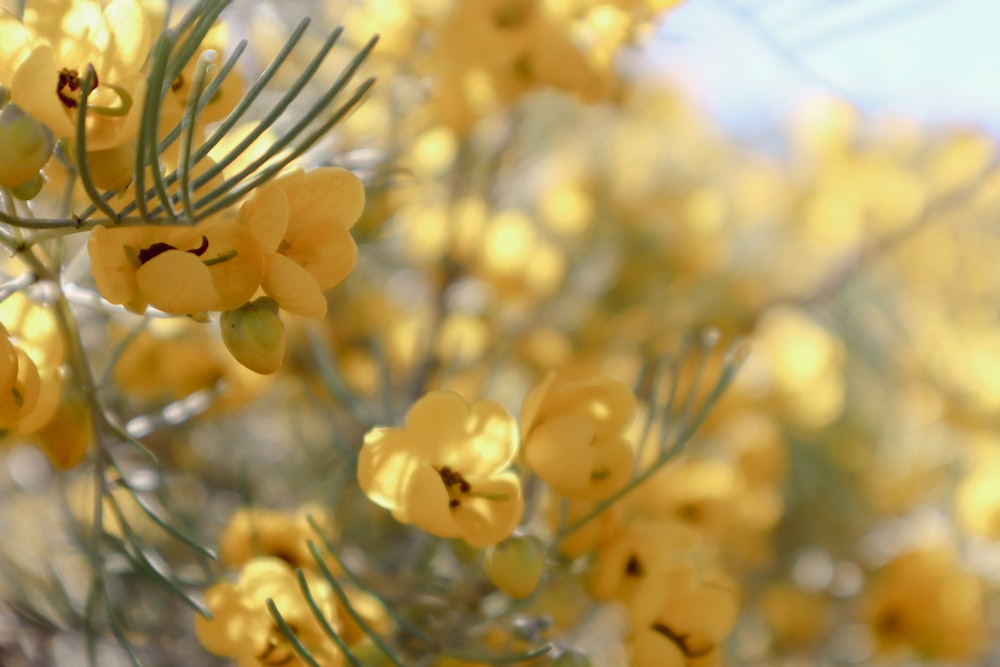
x,y
924,601
572,434
177,269
446,471
497,50
19,382
263,532
242,628
44,61
682,617
301,222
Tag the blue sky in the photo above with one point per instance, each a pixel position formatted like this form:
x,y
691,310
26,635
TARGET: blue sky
x,y
752,61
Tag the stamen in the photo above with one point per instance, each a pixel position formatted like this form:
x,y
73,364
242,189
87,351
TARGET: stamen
x,y
681,641
69,79
160,247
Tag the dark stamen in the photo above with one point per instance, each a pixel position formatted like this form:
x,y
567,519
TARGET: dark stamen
x,y
681,641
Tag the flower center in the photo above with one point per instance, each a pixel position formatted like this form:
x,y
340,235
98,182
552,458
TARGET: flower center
x,y
681,641
451,479
67,89
160,247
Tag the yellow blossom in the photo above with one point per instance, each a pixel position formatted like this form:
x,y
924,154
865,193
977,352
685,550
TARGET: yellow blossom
x,y
177,269
242,628
301,223
572,434
255,532
446,472
44,61
19,382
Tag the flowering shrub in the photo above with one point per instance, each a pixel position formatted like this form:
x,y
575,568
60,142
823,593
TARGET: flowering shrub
x,y
513,358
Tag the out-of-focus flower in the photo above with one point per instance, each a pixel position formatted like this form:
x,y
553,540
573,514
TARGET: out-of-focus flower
x,y
495,51
924,602
253,532
19,382
177,269
681,617
301,223
45,59
446,472
242,628
572,433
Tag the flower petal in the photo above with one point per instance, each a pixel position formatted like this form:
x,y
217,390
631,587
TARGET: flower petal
x,y
561,452
266,216
294,288
491,513
326,196
238,277
325,250
177,282
113,272
385,465
427,503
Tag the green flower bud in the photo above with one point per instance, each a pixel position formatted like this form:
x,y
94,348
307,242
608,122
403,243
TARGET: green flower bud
x,y
515,565
25,146
30,188
255,335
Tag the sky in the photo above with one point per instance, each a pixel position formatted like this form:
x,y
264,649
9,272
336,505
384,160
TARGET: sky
x,y
751,62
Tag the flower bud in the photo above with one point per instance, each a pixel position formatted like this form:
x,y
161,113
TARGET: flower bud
x,y
515,565
255,335
30,188
25,146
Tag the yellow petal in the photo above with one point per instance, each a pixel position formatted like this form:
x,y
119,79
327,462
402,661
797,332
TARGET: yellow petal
x,y
122,39
561,452
491,513
608,402
325,250
113,272
533,403
427,505
177,282
327,196
15,44
294,288
266,216
385,465
475,440
33,89
237,264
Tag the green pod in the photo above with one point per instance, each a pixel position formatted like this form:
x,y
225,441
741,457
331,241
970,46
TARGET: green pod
x,y
255,335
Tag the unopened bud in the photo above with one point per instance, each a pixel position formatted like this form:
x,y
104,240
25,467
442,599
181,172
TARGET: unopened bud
x,y
30,188
255,335
25,146
515,565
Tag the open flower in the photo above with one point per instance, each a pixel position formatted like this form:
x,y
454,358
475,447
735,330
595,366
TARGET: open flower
x,y
572,433
177,269
242,628
45,59
301,222
19,382
446,471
